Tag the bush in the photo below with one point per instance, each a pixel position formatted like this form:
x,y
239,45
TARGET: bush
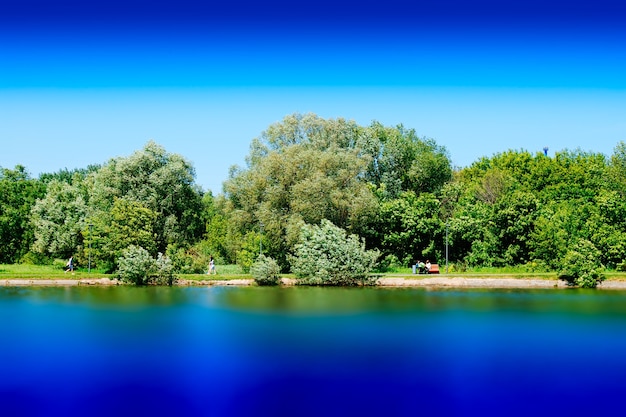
x,y
136,266
389,264
580,266
32,258
249,250
59,263
265,271
164,271
327,256
191,260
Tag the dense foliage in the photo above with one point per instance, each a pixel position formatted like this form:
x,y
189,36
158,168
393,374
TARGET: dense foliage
x,y
581,265
307,169
137,266
265,271
18,194
326,255
386,185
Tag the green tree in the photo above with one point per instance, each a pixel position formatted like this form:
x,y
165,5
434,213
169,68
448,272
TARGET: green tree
x,y
129,223
401,161
58,219
514,208
159,181
293,177
68,176
18,194
409,227
617,169
514,218
306,169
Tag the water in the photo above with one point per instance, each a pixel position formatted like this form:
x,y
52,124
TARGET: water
x,y
84,351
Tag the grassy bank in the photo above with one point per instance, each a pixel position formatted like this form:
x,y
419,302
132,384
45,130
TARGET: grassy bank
x,y
228,272
25,271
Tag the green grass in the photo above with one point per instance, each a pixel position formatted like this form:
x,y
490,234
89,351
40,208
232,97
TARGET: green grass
x,y
223,272
230,272
26,271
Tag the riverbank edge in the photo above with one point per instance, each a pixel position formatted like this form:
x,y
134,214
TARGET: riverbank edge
x,y
434,282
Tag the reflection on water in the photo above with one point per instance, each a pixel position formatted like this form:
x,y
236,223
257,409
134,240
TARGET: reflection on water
x,y
227,351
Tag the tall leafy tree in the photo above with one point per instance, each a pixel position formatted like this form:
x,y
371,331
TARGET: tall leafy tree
x,y
108,234
401,161
161,182
299,184
59,218
306,169
409,227
18,193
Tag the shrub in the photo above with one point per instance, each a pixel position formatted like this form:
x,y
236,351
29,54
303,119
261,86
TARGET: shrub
x,y
250,247
164,271
59,263
182,260
326,255
191,260
135,265
265,271
389,264
581,266
32,258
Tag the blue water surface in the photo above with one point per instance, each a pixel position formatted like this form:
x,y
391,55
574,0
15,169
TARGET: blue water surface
x,y
223,351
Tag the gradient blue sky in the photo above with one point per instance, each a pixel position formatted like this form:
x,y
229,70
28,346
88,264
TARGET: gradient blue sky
x,y
82,82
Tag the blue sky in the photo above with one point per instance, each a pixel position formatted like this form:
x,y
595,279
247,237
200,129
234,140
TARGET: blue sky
x,y
82,82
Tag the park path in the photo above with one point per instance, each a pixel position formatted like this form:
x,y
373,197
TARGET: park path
x,y
429,282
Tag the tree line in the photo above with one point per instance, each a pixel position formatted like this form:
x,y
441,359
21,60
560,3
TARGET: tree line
x,y
396,191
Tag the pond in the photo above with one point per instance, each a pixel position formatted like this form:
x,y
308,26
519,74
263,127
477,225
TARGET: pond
x,y
251,351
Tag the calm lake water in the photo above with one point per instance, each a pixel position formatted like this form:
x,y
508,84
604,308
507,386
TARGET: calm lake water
x,y
84,351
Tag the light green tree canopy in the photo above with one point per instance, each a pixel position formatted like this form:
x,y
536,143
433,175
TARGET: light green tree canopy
x,y
306,169
59,218
161,182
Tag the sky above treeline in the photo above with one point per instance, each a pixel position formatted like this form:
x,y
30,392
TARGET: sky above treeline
x,y
83,82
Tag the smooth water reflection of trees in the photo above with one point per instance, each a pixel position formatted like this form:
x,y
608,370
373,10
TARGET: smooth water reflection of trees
x,y
333,300
320,300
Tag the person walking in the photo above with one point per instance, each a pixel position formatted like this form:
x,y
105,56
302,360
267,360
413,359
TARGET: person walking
x,y
70,265
212,267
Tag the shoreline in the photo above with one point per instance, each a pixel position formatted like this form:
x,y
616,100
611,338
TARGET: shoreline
x,y
385,282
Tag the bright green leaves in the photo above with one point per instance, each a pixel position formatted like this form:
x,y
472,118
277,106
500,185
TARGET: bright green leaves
x,y
18,193
581,265
129,223
408,225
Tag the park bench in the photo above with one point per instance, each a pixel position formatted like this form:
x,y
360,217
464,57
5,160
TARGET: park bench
x,y
434,269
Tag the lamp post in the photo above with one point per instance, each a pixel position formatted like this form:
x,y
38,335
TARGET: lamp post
x,y
261,238
90,238
446,246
